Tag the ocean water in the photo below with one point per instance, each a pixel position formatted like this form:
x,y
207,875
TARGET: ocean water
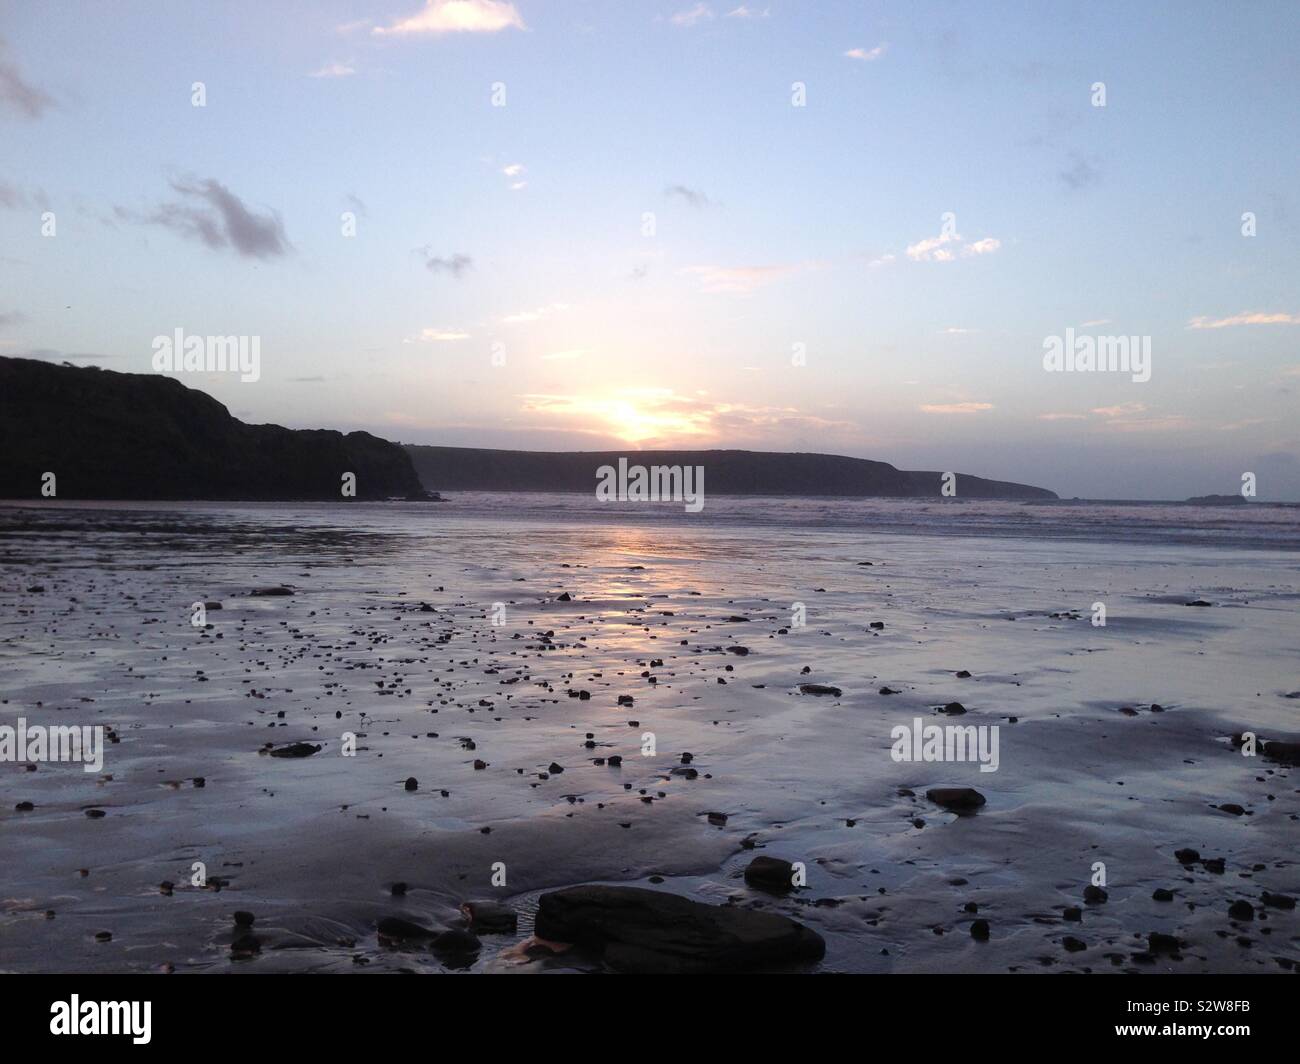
x,y
1259,526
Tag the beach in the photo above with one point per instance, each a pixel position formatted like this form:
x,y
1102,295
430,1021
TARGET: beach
x,y
413,641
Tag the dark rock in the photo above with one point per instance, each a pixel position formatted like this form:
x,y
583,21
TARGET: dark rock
x,y
1161,894
1094,895
888,691
412,784
770,873
648,931
954,709
1187,856
979,930
490,917
399,930
1241,910
956,799
456,942
718,819
564,596
271,592
1158,943
962,674
819,689
1074,914
1072,944
1277,750
1233,808
243,918
1278,901
296,750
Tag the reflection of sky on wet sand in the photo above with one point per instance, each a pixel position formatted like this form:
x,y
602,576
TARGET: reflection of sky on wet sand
x,y
313,845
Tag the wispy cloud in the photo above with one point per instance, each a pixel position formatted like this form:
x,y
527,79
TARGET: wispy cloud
x,y
693,196
1062,417
1122,410
739,279
211,213
1244,318
955,408
1080,173
17,93
438,336
698,13
866,55
524,317
457,265
334,70
744,11
456,16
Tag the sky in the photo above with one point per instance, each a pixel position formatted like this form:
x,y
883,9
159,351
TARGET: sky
x,y
850,228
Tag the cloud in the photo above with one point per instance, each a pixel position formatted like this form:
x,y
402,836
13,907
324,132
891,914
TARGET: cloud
x,y
439,336
18,93
334,70
1081,173
692,196
738,279
698,13
748,12
526,316
954,330
947,246
213,214
513,170
456,265
865,55
456,16
1244,318
1122,410
955,408
1062,417
662,417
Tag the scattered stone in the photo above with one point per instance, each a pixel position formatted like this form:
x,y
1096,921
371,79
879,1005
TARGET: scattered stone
x,y
296,750
979,930
819,689
271,592
412,784
1241,910
490,917
1094,895
399,930
1162,894
959,800
1278,901
1073,945
771,874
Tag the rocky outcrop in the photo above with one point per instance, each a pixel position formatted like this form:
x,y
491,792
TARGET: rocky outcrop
x,y
726,473
108,435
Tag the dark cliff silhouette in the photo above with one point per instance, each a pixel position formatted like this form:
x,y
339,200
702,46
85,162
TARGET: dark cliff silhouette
x,y
108,435
725,473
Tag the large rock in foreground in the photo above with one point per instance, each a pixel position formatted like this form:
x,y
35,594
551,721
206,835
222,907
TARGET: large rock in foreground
x,y
651,931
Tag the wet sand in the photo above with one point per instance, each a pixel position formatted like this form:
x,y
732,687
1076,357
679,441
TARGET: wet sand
x,y
389,635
